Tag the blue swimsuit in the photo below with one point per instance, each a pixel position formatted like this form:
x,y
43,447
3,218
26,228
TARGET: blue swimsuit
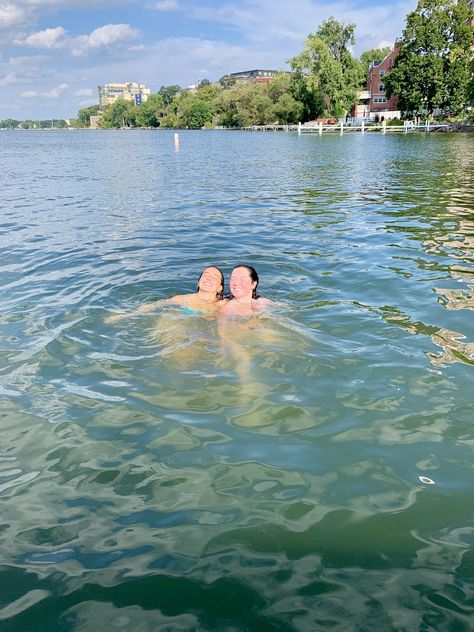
x,y
192,312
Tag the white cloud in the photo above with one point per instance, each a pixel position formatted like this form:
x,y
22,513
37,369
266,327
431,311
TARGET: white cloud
x,y
51,94
56,92
7,79
103,37
49,38
261,23
11,15
66,4
84,92
26,60
164,5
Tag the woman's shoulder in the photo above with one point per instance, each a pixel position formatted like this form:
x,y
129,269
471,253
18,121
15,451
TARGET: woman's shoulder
x,y
262,302
181,299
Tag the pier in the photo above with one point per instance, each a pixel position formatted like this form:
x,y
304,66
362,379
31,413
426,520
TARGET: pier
x,y
344,128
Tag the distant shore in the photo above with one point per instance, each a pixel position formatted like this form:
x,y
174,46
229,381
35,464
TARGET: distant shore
x,y
449,127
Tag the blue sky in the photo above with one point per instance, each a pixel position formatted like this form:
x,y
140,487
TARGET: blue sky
x,y
54,53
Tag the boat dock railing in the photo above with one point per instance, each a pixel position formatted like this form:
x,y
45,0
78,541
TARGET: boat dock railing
x,y
341,127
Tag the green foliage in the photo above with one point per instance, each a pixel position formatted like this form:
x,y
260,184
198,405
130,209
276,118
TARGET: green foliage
x,y
433,67
226,82
149,113
9,124
198,113
312,102
328,68
287,110
374,54
208,91
30,124
244,105
84,115
119,114
169,93
470,86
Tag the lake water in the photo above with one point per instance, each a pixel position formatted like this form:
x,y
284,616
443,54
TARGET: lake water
x,y
308,470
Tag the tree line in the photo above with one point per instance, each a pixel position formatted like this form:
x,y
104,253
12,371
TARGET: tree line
x,y
30,124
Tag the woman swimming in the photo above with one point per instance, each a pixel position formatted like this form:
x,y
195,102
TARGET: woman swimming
x,y
206,300
244,300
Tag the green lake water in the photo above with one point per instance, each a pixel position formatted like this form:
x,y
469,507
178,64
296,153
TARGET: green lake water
x,y
311,469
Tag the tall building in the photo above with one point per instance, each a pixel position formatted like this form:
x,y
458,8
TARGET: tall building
x,y
110,92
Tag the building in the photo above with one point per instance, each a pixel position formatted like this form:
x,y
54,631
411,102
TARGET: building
x,y
379,103
110,92
361,109
94,121
256,76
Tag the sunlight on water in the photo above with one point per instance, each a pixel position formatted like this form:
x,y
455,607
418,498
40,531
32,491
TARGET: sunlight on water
x,y
309,468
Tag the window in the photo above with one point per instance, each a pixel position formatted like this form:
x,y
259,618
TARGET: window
x,y
380,99
382,72
381,87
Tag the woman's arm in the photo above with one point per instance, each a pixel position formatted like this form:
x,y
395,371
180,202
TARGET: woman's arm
x,y
143,309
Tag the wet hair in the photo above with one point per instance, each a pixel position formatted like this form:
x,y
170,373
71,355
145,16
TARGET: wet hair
x,y
253,276
220,294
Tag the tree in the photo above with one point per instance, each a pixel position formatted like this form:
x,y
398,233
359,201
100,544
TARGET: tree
x,y
287,110
9,124
312,102
226,82
150,112
84,115
374,54
244,105
198,114
203,83
432,69
169,92
328,68
121,113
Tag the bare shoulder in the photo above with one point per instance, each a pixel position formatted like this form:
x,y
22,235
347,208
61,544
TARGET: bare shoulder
x,y
261,302
179,299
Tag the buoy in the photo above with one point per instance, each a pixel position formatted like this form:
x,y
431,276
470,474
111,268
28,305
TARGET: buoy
x,y
176,141
426,480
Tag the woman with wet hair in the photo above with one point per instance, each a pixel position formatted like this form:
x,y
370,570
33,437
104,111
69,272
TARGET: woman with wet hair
x,y
244,300
207,299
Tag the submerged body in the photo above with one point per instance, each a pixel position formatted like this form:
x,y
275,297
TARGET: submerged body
x,y
206,300
244,300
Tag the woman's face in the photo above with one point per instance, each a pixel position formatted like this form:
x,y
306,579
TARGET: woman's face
x,y
211,281
241,284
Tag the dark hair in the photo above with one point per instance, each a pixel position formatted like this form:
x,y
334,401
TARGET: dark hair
x,y
220,295
253,276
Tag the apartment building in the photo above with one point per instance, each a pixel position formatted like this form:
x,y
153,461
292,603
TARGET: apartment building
x,y
110,92
379,103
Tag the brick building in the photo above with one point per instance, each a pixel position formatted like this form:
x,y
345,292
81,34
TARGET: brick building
x,y
379,103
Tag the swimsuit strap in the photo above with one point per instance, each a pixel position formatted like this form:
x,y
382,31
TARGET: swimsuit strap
x,y
187,310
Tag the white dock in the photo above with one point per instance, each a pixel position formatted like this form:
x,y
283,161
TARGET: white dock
x,y
342,128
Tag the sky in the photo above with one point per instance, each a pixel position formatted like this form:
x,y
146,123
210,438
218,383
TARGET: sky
x,y
54,53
